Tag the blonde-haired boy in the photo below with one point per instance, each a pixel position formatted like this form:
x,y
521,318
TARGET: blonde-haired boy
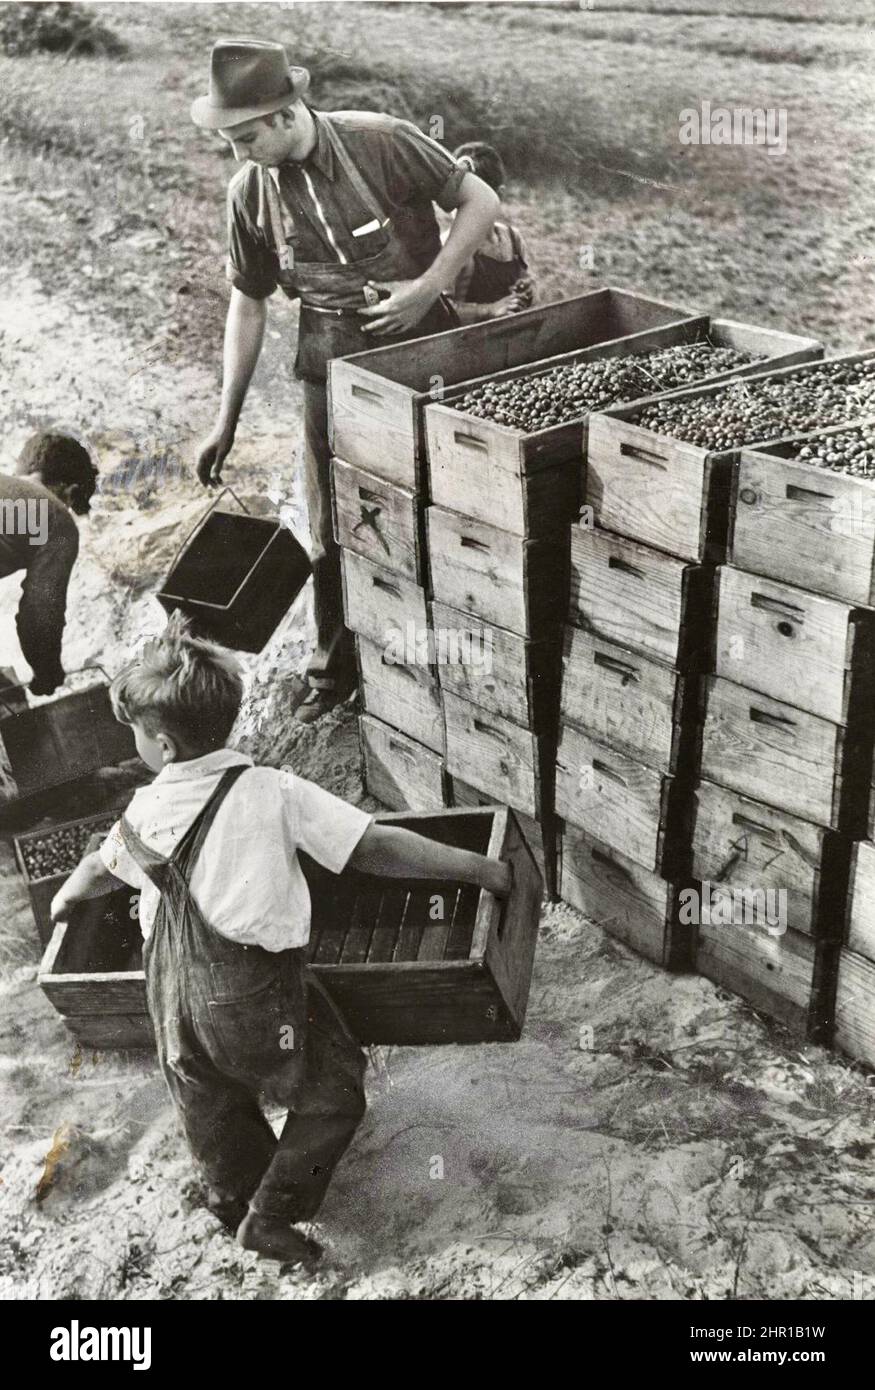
x,y
212,843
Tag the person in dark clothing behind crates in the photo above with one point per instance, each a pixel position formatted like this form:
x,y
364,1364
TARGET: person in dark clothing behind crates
x,y
335,208
54,477
235,1009
496,280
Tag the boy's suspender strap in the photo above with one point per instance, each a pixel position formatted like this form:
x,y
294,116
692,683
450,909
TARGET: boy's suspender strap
x,y
153,864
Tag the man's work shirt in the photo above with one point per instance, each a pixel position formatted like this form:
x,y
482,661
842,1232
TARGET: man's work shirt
x,y
405,170
38,535
247,880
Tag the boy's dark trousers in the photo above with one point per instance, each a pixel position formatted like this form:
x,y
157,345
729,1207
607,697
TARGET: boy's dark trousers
x,y
235,1021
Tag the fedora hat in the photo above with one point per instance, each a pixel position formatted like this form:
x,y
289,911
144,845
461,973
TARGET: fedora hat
x,y
248,78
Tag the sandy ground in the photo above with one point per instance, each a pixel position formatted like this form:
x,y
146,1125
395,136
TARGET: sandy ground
x,y
688,1150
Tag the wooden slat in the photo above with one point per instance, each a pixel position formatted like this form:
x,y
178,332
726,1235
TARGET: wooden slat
x,y
855,1008
398,771
376,600
792,645
861,923
502,758
499,670
514,583
461,793
632,903
377,519
772,752
401,695
631,594
805,525
775,974
631,701
746,845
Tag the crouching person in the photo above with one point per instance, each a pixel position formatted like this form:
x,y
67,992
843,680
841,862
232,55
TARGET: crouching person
x,y
213,843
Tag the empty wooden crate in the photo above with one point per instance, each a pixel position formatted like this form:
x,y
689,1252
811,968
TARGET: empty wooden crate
x,y
61,740
407,962
378,398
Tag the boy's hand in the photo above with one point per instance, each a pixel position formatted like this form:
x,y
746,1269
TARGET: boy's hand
x,y
61,906
498,878
500,308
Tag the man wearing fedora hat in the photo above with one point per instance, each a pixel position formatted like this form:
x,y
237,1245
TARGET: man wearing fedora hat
x,y
335,208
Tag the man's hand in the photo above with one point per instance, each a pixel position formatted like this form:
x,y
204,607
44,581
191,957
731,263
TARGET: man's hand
x,y
212,454
408,302
500,308
47,682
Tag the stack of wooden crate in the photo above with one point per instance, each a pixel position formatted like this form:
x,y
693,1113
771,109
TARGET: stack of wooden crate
x,y
798,607
785,714
636,650
494,560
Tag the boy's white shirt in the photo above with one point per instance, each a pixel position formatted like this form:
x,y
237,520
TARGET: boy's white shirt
x,y
247,880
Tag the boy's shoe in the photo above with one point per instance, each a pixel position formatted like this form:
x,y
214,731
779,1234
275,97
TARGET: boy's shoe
x,y
319,702
275,1239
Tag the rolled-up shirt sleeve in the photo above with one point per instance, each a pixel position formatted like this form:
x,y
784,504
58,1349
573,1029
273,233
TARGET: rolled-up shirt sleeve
x,y
250,266
419,167
119,861
324,826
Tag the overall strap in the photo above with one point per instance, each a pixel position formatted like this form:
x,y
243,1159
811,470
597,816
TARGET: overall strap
x,y
155,865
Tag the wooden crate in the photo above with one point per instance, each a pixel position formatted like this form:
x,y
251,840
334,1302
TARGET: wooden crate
x,y
627,806
746,847
377,398
424,961
854,1029
635,905
790,978
518,584
503,759
642,599
379,520
861,900
398,771
816,653
780,755
633,702
46,745
92,973
461,793
527,482
507,674
378,602
809,526
671,494
42,888
405,696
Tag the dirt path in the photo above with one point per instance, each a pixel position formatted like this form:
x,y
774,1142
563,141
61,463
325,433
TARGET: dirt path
x,y
691,1151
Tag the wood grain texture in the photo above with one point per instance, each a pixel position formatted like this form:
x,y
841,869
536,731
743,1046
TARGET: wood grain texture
x,y
504,759
804,525
379,520
399,771
504,672
521,585
632,702
861,923
631,903
403,696
772,752
461,793
774,974
640,598
616,799
855,1008
792,645
744,844
376,601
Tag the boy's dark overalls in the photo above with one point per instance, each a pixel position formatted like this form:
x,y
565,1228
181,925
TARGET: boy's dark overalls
x,y
224,1016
